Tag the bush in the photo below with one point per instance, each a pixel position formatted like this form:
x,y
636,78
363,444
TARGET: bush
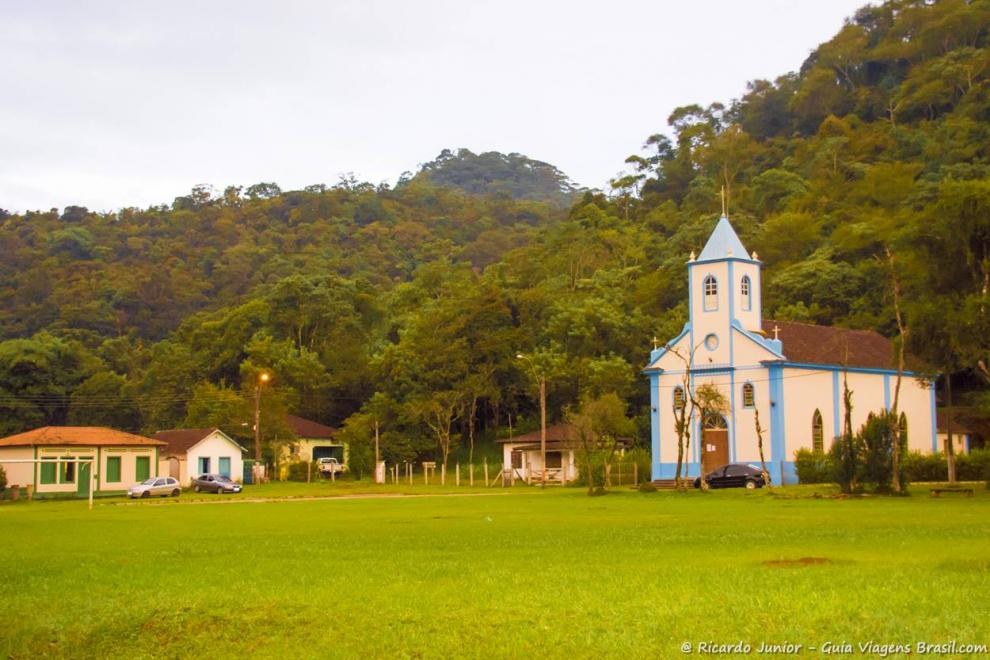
x,y
647,487
845,455
925,467
641,457
297,471
877,444
974,466
3,479
813,467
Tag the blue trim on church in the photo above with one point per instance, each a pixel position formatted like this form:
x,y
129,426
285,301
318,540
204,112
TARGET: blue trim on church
x,y
778,462
835,405
655,422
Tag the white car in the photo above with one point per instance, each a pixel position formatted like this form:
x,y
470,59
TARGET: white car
x,y
163,486
330,467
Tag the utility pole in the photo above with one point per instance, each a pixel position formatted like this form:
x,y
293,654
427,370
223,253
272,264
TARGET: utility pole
x,y
376,444
263,378
543,429
542,379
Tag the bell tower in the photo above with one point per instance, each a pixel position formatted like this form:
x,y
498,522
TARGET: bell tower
x,y
725,290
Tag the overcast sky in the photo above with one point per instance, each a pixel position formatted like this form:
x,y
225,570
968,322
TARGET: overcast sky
x,y
131,103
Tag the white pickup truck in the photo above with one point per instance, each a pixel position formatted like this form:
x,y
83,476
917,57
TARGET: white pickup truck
x,y
330,468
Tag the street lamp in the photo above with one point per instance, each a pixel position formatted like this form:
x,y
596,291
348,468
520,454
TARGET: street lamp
x,y
263,378
543,416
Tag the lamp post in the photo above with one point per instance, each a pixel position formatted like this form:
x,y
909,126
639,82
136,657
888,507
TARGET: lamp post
x,y
543,417
263,378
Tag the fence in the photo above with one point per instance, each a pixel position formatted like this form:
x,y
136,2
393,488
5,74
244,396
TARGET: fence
x,y
621,473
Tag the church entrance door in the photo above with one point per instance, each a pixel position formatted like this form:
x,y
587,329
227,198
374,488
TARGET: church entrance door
x,y
715,444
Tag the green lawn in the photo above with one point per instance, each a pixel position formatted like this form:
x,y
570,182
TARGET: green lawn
x,y
514,572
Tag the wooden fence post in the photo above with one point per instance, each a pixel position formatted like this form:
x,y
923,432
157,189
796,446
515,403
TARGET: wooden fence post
x,y
486,472
443,474
620,474
635,474
471,476
457,475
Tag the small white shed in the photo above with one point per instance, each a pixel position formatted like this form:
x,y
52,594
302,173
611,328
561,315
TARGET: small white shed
x,y
189,453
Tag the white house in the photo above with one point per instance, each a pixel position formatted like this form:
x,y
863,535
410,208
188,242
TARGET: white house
x,y
522,454
791,374
189,453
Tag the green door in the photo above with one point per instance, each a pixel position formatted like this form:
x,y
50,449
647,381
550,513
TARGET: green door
x,y
142,468
82,479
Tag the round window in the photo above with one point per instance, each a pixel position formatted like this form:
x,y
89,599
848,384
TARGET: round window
x,y
711,342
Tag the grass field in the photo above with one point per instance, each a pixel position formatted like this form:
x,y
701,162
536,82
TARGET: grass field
x,y
506,573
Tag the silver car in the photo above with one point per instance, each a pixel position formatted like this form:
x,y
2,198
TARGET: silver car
x,y
163,486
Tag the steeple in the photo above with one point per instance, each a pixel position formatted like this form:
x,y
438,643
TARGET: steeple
x,y
723,243
724,282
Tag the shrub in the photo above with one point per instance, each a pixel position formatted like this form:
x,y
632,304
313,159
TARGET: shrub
x,y
845,455
3,479
641,457
878,451
647,487
297,471
974,466
925,467
813,467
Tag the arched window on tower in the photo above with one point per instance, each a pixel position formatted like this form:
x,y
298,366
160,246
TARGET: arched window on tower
x,y
748,395
711,293
678,398
817,432
745,290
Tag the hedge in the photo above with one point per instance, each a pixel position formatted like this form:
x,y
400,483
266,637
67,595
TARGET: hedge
x,y
816,467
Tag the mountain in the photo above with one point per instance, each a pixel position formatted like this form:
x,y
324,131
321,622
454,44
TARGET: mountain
x,y
494,173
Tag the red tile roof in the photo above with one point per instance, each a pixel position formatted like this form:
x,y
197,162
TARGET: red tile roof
x,y
85,436
180,441
820,344
563,434
555,433
305,428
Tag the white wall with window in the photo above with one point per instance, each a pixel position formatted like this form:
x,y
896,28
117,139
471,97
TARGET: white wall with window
x,y
215,454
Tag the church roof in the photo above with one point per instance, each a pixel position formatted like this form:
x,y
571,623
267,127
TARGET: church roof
x,y
821,344
723,243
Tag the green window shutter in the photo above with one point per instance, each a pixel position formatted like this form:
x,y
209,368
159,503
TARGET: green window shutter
x,y
113,469
142,468
48,472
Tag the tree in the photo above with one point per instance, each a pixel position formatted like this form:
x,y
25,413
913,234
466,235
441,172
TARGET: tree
x,y
598,426
38,376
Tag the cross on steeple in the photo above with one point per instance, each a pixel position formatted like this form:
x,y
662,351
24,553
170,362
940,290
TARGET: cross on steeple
x,y
656,342
724,211
776,331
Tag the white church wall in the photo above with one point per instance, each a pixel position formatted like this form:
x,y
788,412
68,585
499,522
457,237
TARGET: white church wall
x,y
806,390
743,425
916,403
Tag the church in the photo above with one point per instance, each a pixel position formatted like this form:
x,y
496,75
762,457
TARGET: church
x,y
791,374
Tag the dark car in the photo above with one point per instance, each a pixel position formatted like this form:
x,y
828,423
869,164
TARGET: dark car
x,y
215,483
734,475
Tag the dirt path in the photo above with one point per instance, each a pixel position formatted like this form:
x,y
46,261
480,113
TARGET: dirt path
x,y
300,498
